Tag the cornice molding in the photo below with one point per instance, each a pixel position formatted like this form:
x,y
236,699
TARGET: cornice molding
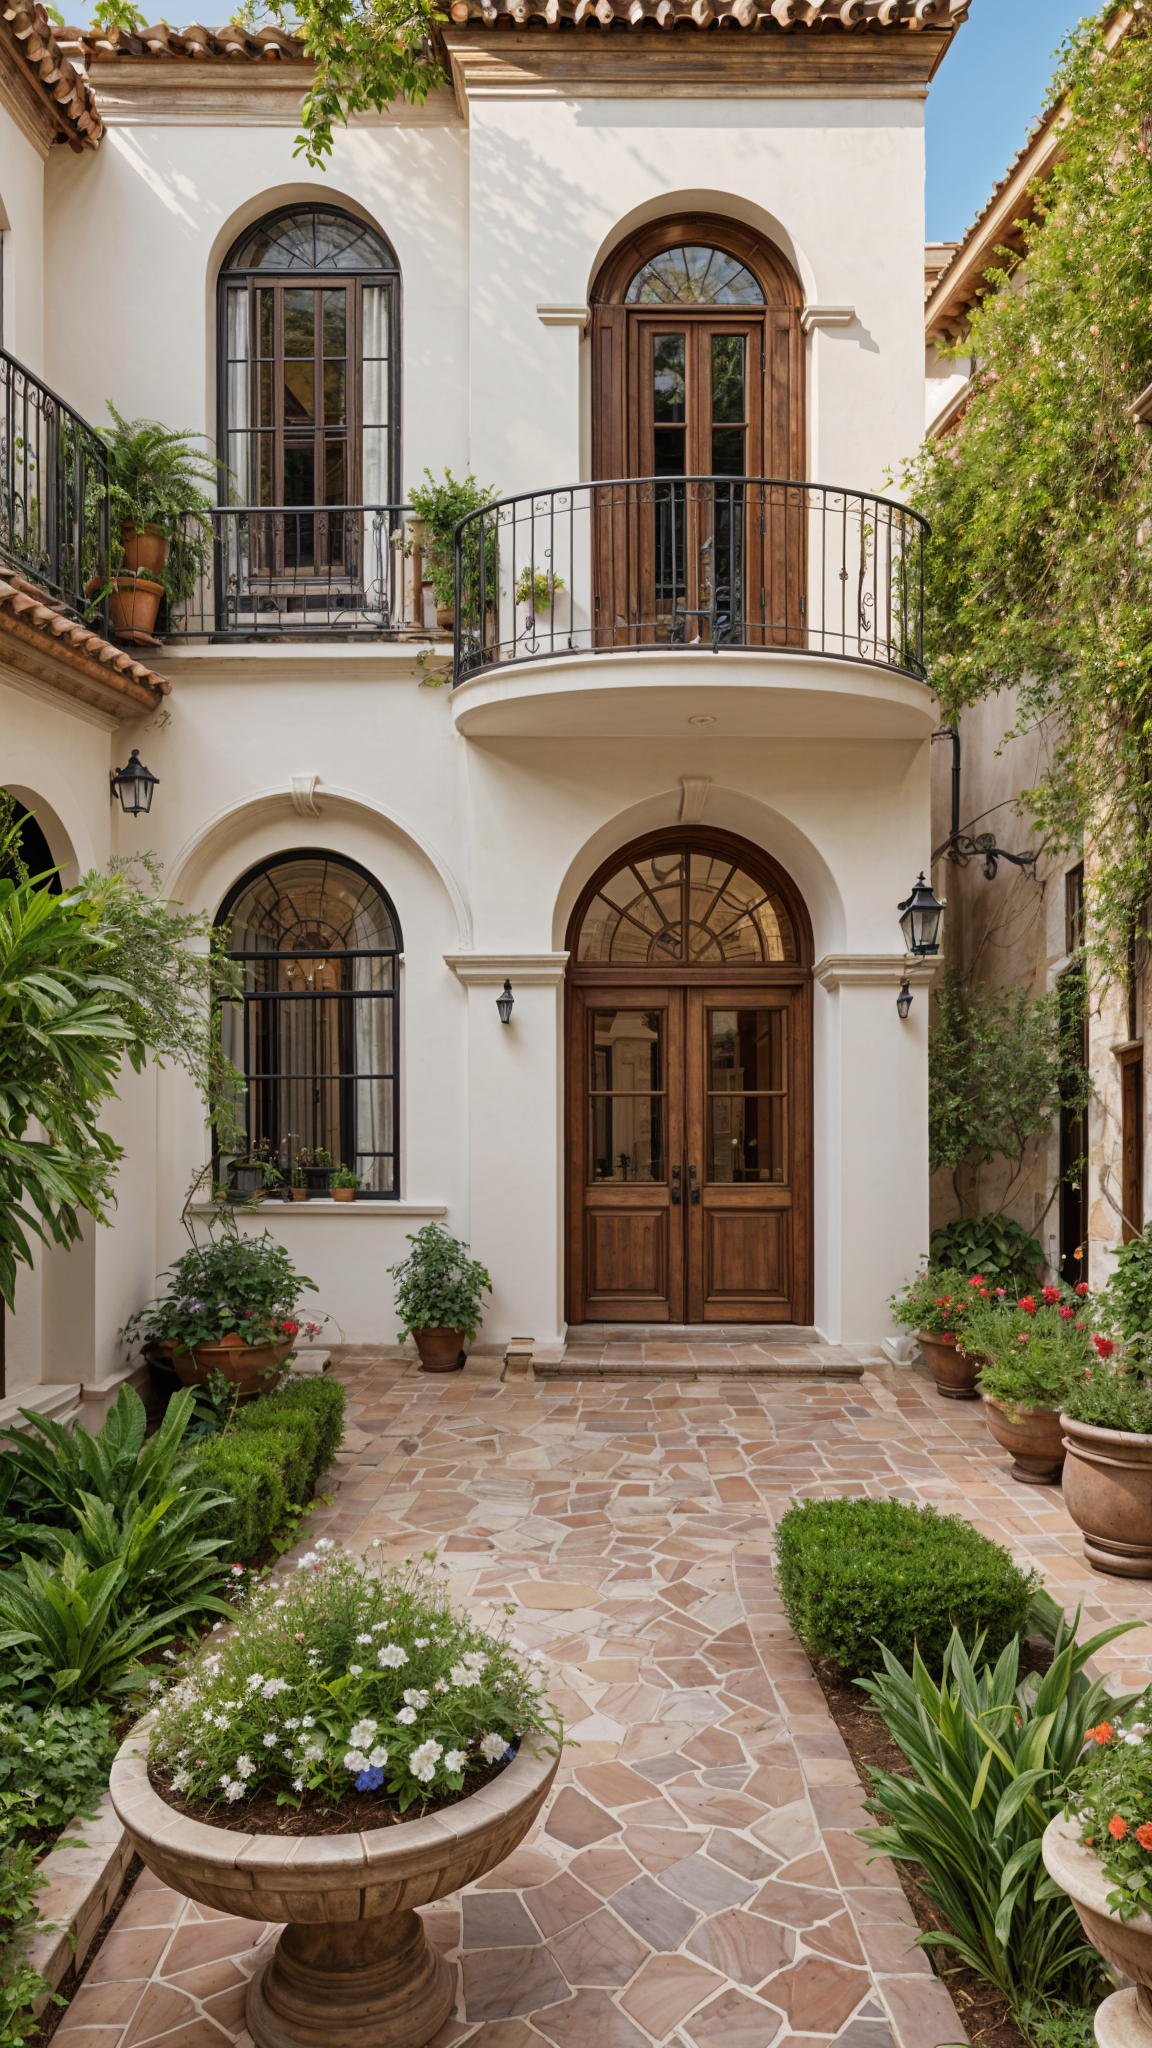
x,y
524,970
564,316
873,970
827,316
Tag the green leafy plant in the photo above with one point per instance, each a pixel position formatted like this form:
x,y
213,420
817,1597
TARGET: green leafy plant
x,y
1002,1250
231,1286
265,1464
1110,1795
338,1679
938,1300
1114,1392
1127,1299
855,1574
366,53
538,589
20,1882
65,1617
991,1758
156,478
68,1468
343,1177
437,1288
1036,1346
441,506
58,1759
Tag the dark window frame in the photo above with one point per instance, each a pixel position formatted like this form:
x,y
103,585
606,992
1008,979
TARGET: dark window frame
x,y
282,858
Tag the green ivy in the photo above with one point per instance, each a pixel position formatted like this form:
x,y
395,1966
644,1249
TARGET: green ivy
x,y
1039,572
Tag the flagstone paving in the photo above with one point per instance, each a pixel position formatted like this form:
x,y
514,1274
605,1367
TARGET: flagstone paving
x,y
695,1879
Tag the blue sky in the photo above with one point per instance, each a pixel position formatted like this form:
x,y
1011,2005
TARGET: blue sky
x,y
987,92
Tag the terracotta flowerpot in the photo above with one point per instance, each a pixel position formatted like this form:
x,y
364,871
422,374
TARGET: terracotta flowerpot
x,y
299,1194
440,1350
254,1368
1108,1493
1125,2019
952,1369
343,1194
354,1965
133,604
147,550
1031,1436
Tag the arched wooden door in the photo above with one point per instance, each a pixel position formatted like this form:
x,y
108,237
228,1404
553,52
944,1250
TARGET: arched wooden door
x,y
698,391
689,1088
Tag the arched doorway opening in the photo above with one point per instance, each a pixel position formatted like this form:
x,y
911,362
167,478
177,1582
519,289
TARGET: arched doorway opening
x,y
698,411
689,1088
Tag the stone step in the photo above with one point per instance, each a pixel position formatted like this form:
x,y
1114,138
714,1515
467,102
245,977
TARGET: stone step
x,y
691,1333
710,1361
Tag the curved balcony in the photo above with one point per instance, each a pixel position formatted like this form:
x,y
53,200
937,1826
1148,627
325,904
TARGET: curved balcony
x,y
798,607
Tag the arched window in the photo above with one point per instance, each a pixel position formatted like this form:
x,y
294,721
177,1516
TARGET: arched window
x,y
694,275
316,1034
309,314
681,904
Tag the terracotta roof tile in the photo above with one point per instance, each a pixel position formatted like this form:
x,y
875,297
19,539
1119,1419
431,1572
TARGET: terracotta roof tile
x,y
61,82
32,606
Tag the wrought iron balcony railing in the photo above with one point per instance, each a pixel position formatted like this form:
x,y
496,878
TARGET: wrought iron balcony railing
x,y
271,572
688,563
54,506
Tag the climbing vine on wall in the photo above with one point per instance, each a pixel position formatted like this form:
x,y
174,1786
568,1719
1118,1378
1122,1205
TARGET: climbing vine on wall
x,y
1040,563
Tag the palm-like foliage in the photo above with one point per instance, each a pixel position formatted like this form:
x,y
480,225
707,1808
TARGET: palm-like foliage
x,y
67,1619
156,478
991,1758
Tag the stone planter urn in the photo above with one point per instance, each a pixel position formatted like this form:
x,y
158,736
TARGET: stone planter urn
x,y
1032,1437
1108,1493
1125,2019
353,1967
952,1369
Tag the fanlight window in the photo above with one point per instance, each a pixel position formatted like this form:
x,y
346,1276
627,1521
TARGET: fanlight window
x,y
680,904
316,1032
693,275
312,238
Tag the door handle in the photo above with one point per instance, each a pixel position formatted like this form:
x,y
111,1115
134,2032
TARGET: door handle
x,y
675,1187
693,1190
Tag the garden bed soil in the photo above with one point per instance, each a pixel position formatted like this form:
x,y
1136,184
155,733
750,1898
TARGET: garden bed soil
x,y
316,1815
982,2008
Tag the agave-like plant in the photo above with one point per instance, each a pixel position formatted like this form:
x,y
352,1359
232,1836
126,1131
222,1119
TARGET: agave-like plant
x,y
990,1759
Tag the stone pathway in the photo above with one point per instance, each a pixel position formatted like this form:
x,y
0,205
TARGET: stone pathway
x,y
695,1880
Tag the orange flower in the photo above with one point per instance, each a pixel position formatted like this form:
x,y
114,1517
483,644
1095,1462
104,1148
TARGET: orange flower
x,y
1144,1835
1117,1827
1103,1733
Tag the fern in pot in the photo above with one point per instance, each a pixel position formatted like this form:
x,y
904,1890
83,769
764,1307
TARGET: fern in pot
x,y
439,1294
161,519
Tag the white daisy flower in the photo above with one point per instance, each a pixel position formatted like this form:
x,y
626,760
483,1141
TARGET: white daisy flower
x,y
378,1757
181,1781
269,1742
421,1642
356,1671
245,1766
234,1792
314,1752
454,1760
273,1688
355,1760
422,1762
364,1639
361,1735
221,1721
493,1746
407,1715
307,1722
415,1698
391,1656
325,1543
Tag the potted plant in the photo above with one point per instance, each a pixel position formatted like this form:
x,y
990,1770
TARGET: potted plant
x,y
315,1168
297,1189
1036,1349
936,1305
1099,1851
253,1171
438,508
162,528
438,1297
1107,1424
345,1184
537,590
349,1692
230,1308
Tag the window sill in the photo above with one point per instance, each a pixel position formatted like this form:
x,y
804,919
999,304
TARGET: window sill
x,y
323,1205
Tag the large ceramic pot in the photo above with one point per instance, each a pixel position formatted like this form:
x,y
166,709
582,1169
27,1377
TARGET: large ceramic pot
x,y
1108,1493
133,603
147,550
952,1369
353,1967
1125,2019
1032,1438
254,1368
440,1350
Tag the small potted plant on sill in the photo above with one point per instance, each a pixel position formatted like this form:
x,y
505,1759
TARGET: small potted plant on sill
x,y
344,1184
936,1305
230,1308
438,1297
1036,1347
438,508
297,1190
254,1172
315,1167
161,520
342,1695
1099,1851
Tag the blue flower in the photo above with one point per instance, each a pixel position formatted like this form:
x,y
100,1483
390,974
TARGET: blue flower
x,y
370,1780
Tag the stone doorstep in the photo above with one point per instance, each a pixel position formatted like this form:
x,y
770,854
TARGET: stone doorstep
x,y
696,1334
698,1368
82,1882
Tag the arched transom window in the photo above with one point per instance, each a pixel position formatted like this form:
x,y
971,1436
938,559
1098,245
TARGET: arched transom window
x,y
309,339
316,1035
694,275
682,904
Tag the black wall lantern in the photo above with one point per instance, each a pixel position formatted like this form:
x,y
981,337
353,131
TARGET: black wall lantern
x,y
504,1002
133,785
920,920
904,1000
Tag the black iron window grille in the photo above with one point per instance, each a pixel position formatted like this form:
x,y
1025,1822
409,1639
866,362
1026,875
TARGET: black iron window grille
x,y
54,503
316,1033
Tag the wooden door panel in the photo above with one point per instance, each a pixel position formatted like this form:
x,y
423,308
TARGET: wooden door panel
x,y
747,1260
627,1264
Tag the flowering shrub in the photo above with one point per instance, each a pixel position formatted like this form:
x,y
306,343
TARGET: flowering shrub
x,y
234,1288
1112,1392
340,1679
939,1300
1111,1797
1037,1346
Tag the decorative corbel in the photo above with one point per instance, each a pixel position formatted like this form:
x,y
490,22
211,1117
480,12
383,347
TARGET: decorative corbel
x,y
302,790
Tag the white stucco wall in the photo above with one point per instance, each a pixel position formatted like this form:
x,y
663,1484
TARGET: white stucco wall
x,y
22,174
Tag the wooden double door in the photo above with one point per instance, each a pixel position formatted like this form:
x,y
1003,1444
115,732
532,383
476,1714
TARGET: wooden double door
x,y
689,1151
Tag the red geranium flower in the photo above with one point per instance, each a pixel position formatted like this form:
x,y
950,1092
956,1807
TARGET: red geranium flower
x,y
1028,1305
1104,1346
289,1327
1117,1827
1081,1287
1103,1733
1144,1835
1050,1294
1066,1314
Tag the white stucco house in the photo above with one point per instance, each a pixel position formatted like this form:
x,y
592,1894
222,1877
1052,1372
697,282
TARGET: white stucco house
x,y
654,273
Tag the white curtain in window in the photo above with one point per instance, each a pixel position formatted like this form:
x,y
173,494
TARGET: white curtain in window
x,y
239,421
375,387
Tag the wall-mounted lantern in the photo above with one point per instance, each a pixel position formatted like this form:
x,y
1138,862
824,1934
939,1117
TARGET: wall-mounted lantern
x,y
904,1000
133,785
921,918
504,1002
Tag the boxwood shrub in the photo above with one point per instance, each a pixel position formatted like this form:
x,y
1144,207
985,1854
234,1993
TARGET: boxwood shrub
x,y
857,1573
268,1461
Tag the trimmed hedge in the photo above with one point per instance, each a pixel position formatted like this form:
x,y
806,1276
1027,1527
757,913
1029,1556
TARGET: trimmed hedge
x,y
268,1461
857,1573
